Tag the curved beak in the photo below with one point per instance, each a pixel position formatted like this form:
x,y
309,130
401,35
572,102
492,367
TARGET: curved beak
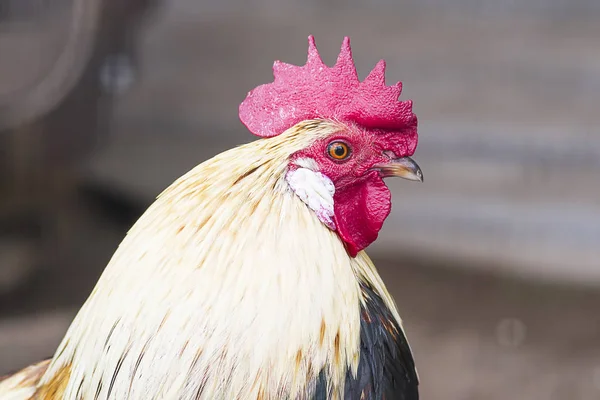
x,y
404,167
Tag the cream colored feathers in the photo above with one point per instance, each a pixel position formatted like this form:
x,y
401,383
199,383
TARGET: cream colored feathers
x,y
228,287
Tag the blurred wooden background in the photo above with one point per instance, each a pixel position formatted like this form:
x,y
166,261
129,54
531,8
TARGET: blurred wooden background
x,y
507,107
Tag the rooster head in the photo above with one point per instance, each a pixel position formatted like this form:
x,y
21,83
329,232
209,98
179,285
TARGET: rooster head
x,y
362,134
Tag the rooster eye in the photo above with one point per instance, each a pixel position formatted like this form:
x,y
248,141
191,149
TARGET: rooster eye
x,y
338,150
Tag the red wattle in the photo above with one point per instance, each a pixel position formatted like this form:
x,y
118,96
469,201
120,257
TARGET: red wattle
x,y
360,210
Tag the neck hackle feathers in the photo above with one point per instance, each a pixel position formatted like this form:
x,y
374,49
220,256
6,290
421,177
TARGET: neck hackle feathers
x,y
317,91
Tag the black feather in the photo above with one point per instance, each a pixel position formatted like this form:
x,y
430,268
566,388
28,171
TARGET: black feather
x,y
321,392
386,369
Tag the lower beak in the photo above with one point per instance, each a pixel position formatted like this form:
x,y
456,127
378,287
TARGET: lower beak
x,y
404,167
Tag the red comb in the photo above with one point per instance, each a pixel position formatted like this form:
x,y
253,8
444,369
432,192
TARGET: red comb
x,y
317,91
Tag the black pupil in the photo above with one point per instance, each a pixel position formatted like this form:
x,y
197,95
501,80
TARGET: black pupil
x,y
339,150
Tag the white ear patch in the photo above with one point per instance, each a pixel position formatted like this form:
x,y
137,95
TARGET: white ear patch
x,y
314,189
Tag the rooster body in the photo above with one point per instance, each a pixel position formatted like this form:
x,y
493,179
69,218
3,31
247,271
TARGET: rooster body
x,y
235,284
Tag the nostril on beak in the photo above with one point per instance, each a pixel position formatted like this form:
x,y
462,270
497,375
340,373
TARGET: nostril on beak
x,y
390,154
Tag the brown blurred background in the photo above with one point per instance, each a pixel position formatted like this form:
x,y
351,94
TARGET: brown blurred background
x,y
494,261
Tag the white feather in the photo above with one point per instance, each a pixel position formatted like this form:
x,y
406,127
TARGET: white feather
x,y
316,190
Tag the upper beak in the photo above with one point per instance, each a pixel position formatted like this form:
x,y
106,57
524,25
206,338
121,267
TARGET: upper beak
x,y
404,167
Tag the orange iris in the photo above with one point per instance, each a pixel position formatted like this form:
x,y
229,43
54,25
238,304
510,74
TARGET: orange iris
x,y
338,150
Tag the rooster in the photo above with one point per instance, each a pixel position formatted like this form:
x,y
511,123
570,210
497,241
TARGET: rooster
x,y
247,278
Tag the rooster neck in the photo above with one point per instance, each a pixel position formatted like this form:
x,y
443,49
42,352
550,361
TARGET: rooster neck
x,y
227,285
